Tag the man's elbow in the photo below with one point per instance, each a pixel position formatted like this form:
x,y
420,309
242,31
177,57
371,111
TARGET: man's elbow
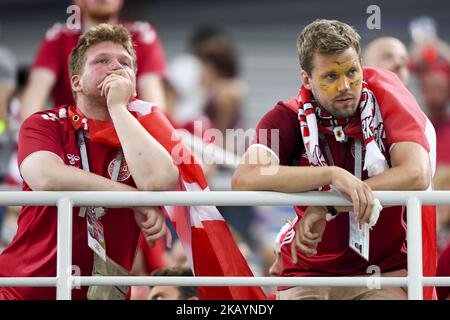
x,y
421,179
166,180
43,183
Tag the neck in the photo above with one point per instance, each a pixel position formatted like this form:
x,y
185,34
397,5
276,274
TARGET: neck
x,y
89,22
95,110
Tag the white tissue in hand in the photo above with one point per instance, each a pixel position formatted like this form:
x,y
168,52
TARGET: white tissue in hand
x,y
375,214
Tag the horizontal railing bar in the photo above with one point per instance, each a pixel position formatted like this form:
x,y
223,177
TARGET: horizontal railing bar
x,y
218,198
436,281
243,281
224,281
28,282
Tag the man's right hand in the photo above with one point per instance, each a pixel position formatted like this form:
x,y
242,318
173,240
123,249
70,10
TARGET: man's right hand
x,y
153,224
354,190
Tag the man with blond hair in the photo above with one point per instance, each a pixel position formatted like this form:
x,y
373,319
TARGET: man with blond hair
x,y
353,130
60,149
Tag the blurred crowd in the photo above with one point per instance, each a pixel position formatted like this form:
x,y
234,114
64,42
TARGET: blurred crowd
x,y
203,86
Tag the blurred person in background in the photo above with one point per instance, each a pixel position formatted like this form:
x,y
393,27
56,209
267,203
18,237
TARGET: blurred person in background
x,y
431,64
443,270
49,73
8,69
388,53
173,292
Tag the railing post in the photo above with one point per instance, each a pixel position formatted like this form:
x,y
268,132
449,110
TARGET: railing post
x,y
414,238
64,250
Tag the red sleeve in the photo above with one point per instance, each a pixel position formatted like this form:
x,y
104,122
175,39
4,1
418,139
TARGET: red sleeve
x,y
49,54
402,117
40,132
149,50
279,130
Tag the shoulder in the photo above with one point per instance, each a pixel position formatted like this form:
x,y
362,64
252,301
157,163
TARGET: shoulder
x,y
60,31
141,31
282,114
50,118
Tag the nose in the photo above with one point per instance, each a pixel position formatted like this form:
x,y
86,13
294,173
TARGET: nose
x,y
343,84
115,65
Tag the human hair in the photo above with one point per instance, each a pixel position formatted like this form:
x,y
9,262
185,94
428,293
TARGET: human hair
x,y
326,37
97,34
186,292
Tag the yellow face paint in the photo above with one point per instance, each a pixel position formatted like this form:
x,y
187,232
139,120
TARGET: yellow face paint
x,y
331,77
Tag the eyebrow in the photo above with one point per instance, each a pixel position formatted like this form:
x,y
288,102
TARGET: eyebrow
x,y
103,54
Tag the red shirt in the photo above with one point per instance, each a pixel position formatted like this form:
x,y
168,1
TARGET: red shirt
x,y
402,121
443,270
59,41
387,239
32,253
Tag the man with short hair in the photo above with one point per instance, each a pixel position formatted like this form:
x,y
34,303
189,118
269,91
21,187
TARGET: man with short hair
x,y
62,149
353,130
49,74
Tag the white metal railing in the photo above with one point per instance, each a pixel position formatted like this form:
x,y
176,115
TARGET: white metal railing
x,y
65,281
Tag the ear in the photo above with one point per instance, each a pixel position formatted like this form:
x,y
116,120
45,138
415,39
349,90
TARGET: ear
x,y
306,81
75,82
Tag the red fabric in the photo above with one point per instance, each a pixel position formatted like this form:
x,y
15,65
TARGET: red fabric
x,y
32,253
153,256
55,50
403,121
214,252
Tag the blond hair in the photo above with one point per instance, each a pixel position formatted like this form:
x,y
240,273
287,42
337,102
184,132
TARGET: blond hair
x,y
327,37
100,33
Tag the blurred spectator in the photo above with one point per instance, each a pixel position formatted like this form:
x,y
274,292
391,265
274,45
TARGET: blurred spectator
x,y
50,74
7,87
443,270
388,53
435,88
427,48
185,73
225,93
173,292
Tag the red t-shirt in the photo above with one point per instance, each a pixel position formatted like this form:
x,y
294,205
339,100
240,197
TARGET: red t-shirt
x,y
32,253
59,41
387,239
443,270
403,121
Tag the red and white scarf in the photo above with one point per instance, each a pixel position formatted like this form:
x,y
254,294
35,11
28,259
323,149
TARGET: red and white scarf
x,y
314,119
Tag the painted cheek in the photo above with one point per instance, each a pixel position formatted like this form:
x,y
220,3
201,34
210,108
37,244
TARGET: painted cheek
x,y
328,88
356,83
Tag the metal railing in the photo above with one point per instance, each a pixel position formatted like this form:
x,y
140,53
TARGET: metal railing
x,y
65,201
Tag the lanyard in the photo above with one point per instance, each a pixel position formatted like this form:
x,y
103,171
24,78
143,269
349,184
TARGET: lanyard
x,y
98,212
358,155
